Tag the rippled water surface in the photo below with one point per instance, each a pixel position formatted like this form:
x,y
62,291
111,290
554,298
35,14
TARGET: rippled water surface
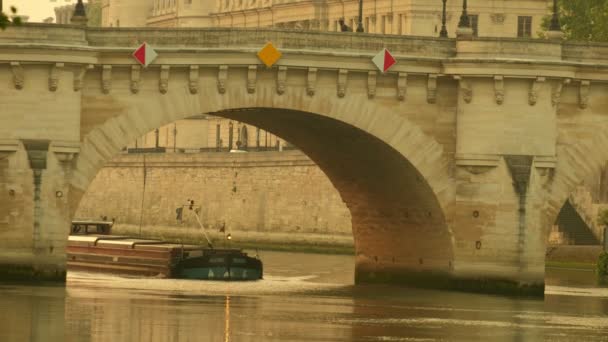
x,y
303,297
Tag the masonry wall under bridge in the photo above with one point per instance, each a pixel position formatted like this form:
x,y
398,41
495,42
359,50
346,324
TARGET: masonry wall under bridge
x,y
280,199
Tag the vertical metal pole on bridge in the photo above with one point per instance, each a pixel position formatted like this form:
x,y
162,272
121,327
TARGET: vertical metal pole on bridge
x,y
555,25
360,24
444,30
464,17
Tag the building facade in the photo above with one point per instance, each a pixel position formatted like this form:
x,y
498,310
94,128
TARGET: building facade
x,y
206,133
63,14
497,18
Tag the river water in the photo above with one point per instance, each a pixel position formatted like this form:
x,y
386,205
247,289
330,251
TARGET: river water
x,y
304,297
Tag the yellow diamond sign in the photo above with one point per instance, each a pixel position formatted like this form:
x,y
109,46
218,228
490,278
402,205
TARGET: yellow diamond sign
x,y
269,54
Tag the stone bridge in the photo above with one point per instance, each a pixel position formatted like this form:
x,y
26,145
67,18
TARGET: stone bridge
x,y
454,165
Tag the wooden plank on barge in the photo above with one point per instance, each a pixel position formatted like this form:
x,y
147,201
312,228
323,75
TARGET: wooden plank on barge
x,y
166,254
119,269
126,260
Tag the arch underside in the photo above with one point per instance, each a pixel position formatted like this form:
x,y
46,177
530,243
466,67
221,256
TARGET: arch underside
x,y
581,153
398,224
397,220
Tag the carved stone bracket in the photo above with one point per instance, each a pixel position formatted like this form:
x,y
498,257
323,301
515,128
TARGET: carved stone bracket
x,y
342,80
499,89
79,75
65,152
106,79
431,89
311,81
281,80
477,163
18,75
54,76
222,77
583,95
163,84
135,78
65,157
556,92
533,94
545,164
371,84
8,147
193,79
401,86
252,78
465,89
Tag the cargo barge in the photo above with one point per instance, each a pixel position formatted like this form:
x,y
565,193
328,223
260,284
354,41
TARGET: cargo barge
x,y
91,247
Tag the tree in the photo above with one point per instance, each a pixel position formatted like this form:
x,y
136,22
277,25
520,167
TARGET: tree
x,y
5,20
582,20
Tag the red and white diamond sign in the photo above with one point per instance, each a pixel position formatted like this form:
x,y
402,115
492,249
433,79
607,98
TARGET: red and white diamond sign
x,y
384,60
145,54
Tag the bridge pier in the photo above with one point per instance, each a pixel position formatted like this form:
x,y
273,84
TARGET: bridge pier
x,y
35,215
498,234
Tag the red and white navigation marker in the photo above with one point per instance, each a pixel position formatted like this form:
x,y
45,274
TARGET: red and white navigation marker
x,y
384,60
145,54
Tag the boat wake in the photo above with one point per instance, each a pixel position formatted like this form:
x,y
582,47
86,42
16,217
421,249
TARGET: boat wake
x,y
576,291
77,281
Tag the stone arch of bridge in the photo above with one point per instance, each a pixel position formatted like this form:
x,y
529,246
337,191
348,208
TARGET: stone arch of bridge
x,y
581,158
393,178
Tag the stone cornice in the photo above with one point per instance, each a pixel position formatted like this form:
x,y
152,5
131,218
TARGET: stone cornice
x,y
484,57
9,145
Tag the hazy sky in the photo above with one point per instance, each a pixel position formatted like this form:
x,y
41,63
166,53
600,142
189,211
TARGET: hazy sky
x,y
38,10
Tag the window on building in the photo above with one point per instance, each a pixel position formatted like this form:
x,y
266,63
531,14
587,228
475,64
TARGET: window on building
x,y
524,26
400,24
474,20
218,139
383,24
244,138
257,138
230,135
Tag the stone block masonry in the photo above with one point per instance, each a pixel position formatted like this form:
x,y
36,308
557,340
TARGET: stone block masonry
x,y
419,155
260,197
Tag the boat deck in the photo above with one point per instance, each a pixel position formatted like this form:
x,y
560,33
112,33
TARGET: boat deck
x,y
127,255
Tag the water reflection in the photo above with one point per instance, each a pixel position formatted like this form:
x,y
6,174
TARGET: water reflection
x,y
436,315
227,322
313,304
29,314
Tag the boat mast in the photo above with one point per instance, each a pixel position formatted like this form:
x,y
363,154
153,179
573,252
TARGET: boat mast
x,y
204,231
198,219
